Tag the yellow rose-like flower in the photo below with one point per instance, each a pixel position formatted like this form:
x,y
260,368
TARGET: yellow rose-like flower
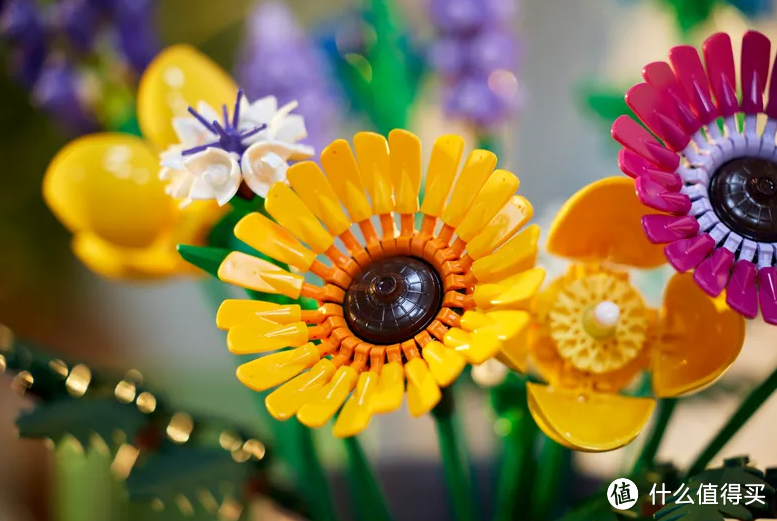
x,y
592,333
105,187
401,312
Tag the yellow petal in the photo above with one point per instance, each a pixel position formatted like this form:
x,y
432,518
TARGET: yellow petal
x,y
423,393
511,293
517,255
288,209
343,172
591,422
491,198
476,348
327,400
515,351
315,190
603,222
405,168
700,340
502,227
506,324
98,183
114,262
357,411
239,312
271,370
263,336
443,165
272,240
372,153
473,176
257,274
445,364
388,396
285,401
179,77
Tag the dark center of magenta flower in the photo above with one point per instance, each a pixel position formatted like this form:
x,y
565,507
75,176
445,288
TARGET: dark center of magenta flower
x,y
743,194
228,136
392,300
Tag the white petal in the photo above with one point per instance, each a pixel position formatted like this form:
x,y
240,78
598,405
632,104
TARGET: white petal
x,y
257,113
192,133
261,169
290,129
207,112
172,158
216,175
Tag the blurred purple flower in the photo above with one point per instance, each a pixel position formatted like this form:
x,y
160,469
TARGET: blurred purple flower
x,y
79,20
21,23
57,92
457,16
277,59
137,37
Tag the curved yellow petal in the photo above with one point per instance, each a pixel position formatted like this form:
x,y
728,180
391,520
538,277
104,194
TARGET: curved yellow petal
x,y
178,78
475,347
700,337
513,292
327,400
602,222
285,401
113,262
515,351
274,369
372,153
517,255
257,274
239,312
317,193
264,336
405,168
473,176
107,185
357,411
388,396
443,165
343,173
590,422
272,240
287,208
423,393
501,228
445,364
491,198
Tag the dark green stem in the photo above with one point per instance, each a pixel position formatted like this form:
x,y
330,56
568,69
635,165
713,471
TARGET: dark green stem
x,y
547,482
516,470
371,502
454,460
746,409
647,457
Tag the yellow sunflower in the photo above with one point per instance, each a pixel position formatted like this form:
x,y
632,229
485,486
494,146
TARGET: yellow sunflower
x,y
402,307
592,333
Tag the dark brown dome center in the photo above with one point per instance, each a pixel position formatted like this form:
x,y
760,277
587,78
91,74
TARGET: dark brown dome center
x,y
392,300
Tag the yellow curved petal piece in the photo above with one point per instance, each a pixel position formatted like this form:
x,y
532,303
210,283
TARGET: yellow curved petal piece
x,y
357,411
476,348
700,339
445,364
118,263
443,165
603,222
515,351
178,78
288,209
372,153
317,193
240,312
473,176
513,292
501,228
405,168
505,324
343,173
388,395
423,393
547,430
285,401
517,255
492,197
97,183
590,422
272,240
265,336
274,369
257,274
328,400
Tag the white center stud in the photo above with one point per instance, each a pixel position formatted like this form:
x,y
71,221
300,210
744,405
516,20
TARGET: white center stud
x,y
607,313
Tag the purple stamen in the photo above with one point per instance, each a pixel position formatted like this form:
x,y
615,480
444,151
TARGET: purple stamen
x,y
225,115
202,120
253,131
200,148
236,112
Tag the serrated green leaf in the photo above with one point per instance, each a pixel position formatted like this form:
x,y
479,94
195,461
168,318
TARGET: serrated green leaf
x,y
206,258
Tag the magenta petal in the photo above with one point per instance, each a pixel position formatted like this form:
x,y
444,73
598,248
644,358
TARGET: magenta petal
x,y
719,57
686,254
633,136
690,71
659,198
756,50
657,114
741,292
661,76
713,273
767,294
634,165
662,229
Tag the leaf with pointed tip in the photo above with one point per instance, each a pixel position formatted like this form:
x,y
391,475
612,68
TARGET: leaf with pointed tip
x,y
204,257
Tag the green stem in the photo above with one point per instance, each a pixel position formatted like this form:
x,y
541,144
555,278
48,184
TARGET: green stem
x,y
746,409
371,502
547,481
454,460
516,470
647,457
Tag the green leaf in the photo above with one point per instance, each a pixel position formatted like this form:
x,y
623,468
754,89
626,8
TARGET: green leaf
x,y
691,13
204,257
607,102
